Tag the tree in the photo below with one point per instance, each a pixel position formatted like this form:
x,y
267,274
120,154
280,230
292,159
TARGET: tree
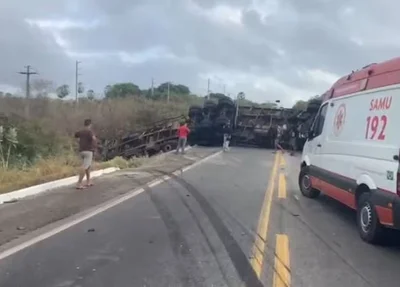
x,y
173,89
42,87
90,94
62,91
163,88
241,96
217,96
122,90
181,89
269,105
81,88
107,91
300,105
8,141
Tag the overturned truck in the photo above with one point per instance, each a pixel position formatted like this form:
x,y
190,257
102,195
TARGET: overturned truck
x,y
159,136
250,125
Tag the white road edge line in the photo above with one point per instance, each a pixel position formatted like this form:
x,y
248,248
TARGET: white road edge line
x,y
101,209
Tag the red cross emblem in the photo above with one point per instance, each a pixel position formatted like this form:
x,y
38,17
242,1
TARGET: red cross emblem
x,y
340,118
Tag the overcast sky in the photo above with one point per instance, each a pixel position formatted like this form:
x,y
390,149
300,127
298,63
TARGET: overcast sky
x,y
271,49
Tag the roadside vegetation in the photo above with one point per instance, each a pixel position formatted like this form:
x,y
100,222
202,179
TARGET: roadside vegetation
x,y
36,134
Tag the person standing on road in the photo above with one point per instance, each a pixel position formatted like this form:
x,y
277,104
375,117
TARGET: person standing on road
x,y
227,130
293,139
87,144
183,132
279,131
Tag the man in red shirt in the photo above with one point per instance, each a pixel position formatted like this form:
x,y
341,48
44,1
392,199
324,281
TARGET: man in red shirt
x,y
183,132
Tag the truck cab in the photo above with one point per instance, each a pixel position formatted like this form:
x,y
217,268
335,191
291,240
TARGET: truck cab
x,y
352,150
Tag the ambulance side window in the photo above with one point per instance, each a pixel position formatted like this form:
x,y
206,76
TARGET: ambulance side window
x,y
319,124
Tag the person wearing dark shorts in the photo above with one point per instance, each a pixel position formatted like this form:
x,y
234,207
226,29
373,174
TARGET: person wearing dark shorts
x,y
87,143
227,133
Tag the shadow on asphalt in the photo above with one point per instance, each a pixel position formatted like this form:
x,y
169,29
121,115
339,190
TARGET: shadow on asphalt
x,y
392,237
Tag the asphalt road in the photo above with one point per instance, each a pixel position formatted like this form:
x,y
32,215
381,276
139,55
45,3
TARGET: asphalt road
x,y
236,219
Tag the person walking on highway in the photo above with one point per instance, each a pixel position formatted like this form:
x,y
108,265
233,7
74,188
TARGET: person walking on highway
x,y
87,145
227,130
293,139
183,132
278,137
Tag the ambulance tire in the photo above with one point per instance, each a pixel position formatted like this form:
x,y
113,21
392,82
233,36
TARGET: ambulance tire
x,y
305,184
369,227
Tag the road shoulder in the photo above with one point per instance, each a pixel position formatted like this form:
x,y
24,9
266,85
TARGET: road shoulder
x,y
30,214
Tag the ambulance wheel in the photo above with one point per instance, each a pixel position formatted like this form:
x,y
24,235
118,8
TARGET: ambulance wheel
x,y
368,224
305,184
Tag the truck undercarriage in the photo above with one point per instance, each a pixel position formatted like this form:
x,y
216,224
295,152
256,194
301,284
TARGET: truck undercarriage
x,y
250,125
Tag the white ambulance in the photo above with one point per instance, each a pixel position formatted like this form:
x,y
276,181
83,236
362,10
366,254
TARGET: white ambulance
x,y
352,150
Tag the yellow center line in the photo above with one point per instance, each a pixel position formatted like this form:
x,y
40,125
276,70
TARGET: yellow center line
x,y
282,161
260,243
282,186
282,276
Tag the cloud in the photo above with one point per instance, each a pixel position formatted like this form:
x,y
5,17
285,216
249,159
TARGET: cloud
x,y
270,49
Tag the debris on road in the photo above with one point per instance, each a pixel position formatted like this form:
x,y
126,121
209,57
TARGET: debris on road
x,y
11,201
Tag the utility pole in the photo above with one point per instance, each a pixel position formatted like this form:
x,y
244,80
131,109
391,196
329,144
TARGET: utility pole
x,y
152,87
28,73
168,94
224,89
237,111
76,80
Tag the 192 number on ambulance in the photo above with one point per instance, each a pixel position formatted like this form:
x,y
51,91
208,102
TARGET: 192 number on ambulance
x,y
376,127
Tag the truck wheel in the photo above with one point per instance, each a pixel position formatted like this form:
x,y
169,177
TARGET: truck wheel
x,y
368,224
305,184
168,146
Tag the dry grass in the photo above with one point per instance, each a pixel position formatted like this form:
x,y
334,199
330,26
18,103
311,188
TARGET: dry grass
x,y
62,118
50,169
110,117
